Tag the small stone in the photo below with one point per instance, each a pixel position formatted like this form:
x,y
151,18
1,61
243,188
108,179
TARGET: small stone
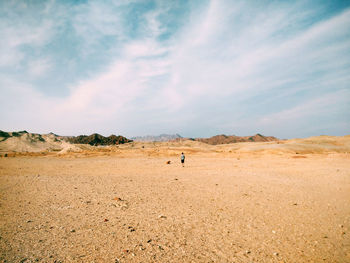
x,y
247,251
72,231
106,220
149,240
29,221
275,254
126,250
161,216
131,229
273,231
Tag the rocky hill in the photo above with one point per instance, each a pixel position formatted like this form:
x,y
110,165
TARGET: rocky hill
x,y
97,139
225,139
159,138
24,141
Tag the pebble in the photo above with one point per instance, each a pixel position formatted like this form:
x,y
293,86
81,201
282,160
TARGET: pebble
x,y
161,216
72,231
275,254
273,231
247,251
106,220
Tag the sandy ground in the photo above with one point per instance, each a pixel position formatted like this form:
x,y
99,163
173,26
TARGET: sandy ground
x,y
241,207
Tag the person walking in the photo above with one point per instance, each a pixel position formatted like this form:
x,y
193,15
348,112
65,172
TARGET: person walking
x,y
183,159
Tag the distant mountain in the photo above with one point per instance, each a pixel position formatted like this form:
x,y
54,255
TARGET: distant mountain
x,y
159,138
97,139
225,139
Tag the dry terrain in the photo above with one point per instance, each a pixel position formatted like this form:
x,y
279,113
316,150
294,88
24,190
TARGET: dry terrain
x,y
286,201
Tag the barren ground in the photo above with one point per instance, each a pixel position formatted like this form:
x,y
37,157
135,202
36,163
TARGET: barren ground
x,y
220,207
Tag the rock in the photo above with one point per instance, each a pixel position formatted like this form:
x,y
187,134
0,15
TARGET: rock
x,y
117,199
131,229
72,231
247,251
161,216
168,162
149,240
273,231
275,254
106,220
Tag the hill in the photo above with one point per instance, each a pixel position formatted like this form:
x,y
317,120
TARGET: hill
x,y
97,139
226,139
158,138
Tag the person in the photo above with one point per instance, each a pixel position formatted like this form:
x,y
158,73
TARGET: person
x,y
182,159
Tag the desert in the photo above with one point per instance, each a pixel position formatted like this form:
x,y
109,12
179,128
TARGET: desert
x,y
275,201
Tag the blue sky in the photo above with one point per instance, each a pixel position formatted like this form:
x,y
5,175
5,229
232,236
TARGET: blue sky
x,y
197,68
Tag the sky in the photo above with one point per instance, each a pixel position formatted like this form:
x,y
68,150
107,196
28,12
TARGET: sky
x,y
198,68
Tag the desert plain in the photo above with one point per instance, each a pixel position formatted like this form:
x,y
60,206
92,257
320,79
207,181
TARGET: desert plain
x,y
285,201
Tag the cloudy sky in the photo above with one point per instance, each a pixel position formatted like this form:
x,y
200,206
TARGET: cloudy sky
x,y
197,68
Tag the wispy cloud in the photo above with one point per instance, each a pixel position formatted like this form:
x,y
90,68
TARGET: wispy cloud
x,y
149,67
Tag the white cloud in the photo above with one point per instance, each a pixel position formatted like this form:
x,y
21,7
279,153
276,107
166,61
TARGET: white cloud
x,y
16,34
39,67
220,60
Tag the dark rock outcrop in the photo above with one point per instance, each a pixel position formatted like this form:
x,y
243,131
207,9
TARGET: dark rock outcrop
x,y
97,139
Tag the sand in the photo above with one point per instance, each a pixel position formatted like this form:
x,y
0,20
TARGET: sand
x,y
228,204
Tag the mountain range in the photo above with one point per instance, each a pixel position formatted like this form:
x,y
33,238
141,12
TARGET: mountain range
x,y
159,138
